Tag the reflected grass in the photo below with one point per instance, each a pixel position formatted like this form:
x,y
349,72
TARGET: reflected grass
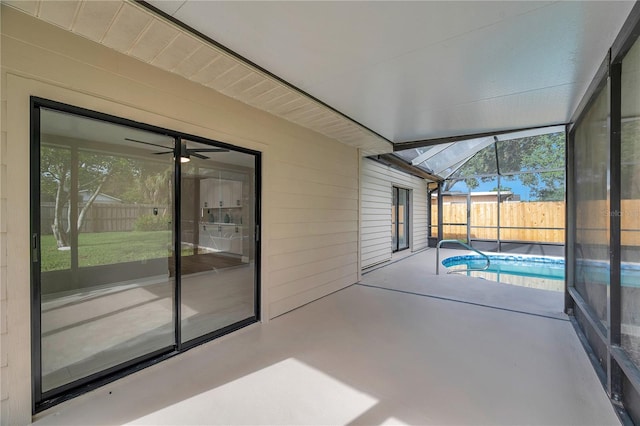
x,y
105,248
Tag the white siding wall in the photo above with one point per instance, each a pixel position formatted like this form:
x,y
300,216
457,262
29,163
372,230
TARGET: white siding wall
x,y
376,182
375,223
310,182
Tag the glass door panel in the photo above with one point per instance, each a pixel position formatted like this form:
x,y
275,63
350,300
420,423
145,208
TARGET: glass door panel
x,y
593,231
403,219
106,209
400,219
394,219
218,278
630,204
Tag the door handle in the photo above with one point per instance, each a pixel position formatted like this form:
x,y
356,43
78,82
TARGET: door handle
x,y
34,248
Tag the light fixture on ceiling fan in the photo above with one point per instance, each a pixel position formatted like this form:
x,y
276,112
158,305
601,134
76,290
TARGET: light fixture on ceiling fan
x,y
185,153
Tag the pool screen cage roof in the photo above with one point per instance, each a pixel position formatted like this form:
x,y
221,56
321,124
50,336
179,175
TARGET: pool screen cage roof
x,y
502,154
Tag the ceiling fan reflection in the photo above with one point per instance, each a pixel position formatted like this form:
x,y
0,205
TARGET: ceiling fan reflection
x,y
185,153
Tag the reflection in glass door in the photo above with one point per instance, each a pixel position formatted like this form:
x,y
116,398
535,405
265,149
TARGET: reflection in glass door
x,y
400,219
217,233
143,244
106,295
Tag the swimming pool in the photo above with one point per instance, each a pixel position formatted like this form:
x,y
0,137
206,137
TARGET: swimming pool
x,y
545,273
540,272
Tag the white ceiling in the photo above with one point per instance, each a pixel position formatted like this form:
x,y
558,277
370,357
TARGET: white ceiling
x,y
419,70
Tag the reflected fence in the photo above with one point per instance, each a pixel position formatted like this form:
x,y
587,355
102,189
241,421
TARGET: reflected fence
x,y
107,217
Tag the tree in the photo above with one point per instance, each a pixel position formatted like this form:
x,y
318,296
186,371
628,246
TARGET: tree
x,y
542,156
158,187
94,171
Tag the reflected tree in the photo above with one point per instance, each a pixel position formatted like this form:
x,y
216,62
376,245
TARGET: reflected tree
x,y
93,172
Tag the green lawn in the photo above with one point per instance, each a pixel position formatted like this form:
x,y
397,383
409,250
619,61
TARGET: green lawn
x,y
106,248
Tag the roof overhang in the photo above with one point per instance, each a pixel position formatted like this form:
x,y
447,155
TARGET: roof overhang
x,y
148,35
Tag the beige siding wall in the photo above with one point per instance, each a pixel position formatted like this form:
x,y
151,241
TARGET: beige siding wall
x,y
310,182
376,213
376,181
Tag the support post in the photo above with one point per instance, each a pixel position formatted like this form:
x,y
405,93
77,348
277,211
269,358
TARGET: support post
x,y
440,230
469,218
498,211
570,221
614,372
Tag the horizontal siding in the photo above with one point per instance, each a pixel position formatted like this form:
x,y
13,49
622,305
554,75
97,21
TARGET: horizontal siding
x,y
419,214
375,225
285,246
379,259
312,248
308,283
289,303
304,257
376,181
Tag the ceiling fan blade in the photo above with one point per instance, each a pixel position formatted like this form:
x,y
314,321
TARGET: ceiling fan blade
x,y
160,153
146,143
208,150
195,154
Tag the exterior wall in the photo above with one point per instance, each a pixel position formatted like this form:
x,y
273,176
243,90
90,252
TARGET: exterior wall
x,y
376,182
309,188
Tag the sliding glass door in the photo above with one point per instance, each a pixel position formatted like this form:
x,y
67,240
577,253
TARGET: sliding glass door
x,y
143,244
106,294
400,219
217,254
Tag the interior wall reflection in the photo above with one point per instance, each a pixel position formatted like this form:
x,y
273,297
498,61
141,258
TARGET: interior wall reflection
x,y
217,231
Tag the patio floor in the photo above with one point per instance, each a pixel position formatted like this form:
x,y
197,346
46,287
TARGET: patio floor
x,y
402,347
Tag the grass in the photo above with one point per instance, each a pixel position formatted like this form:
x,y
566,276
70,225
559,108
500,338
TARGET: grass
x,y
106,248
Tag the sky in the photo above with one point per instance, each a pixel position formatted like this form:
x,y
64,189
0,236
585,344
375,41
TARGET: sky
x,y
516,187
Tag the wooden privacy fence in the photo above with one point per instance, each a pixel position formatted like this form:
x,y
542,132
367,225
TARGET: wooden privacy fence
x,y
536,221
593,220
99,217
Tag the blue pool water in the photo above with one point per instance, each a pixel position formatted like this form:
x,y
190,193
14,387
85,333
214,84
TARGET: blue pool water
x,y
541,269
526,266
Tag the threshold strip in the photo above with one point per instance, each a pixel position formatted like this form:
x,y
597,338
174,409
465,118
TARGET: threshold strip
x,y
464,301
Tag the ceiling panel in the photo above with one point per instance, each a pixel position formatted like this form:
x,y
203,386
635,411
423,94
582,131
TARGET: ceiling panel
x,y
200,58
60,12
127,28
154,40
234,75
177,51
420,70
95,17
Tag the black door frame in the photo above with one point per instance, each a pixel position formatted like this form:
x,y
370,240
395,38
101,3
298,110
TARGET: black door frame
x,y
407,219
43,400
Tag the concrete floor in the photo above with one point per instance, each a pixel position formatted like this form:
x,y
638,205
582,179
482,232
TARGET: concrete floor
x,y
416,274
414,349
